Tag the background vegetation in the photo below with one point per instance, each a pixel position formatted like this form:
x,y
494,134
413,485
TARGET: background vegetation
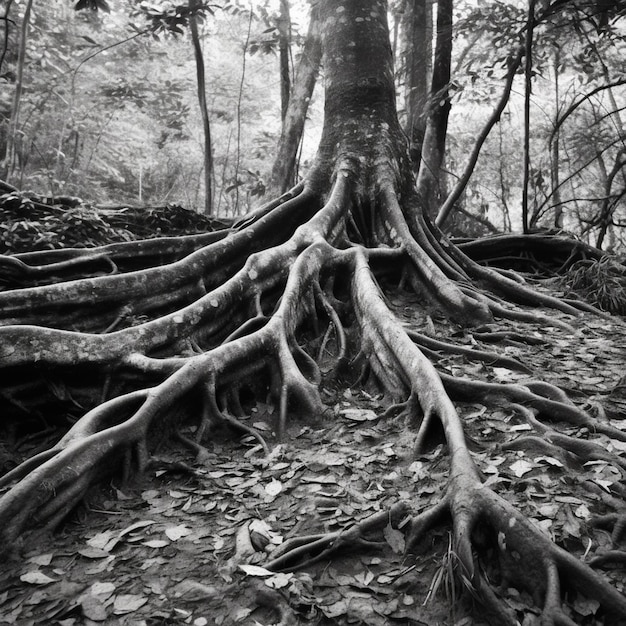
x,y
108,108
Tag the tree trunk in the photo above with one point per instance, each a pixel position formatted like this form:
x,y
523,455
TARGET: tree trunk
x,y
7,165
283,169
610,200
5,30
528,68
430,183
295,295
284,48
194,6
417,32
555,148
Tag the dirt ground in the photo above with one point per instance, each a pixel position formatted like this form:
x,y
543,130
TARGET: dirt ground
x,y
186,543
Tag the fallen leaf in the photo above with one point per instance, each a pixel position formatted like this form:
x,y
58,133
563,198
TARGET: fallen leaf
x,y
279,581
93,553
176,532
156,543
273,488
100,540
93,608
359,415
102,589
128,603
585,606
37,578
135,526
42,559
394,538
255,570
521,467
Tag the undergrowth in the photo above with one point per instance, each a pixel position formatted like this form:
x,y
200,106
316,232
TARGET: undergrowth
x,y
599,282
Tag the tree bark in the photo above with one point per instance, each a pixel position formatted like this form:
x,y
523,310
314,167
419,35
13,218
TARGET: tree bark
x,y
284,48
555,147
194,7
528,68
430,183
7,165
417,32
283,169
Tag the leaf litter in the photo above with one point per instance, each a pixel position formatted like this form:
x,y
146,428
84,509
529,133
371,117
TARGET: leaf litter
x,y
190,547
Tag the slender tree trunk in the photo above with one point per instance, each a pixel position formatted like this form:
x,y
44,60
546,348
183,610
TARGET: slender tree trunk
x,y
417,29
284,45
530,26
494,118
282,176
5,29
609,201
502,179
204,112
8,163
430,185
555,148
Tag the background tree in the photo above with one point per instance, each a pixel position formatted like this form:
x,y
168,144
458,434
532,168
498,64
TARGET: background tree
x,y
7,165
283,169
571,29
194,6
417,31
430,180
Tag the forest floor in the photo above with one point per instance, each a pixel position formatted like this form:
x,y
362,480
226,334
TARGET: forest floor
x,y
177,546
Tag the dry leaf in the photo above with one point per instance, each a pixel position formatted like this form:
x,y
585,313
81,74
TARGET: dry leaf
x,y
156,543
521,467
93,553
128,603
42,559
102,589
176,532
273,488
135,526
394,538
256,570
37,578
93,608
279,581
359,415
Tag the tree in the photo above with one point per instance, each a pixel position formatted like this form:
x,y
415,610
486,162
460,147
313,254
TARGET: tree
x,y
284,50
430,183
237,319
8,162
294,118
194,7
417,39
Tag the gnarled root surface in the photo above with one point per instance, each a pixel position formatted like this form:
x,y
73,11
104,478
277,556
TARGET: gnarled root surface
x,y
290,298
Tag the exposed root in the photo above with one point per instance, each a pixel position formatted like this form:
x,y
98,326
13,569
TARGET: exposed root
x,y
485,356
553,442
196,342
304,551
538,395
614,521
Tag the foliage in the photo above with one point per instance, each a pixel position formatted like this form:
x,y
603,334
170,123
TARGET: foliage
x,y
27,225
580,46
600,282
93,77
